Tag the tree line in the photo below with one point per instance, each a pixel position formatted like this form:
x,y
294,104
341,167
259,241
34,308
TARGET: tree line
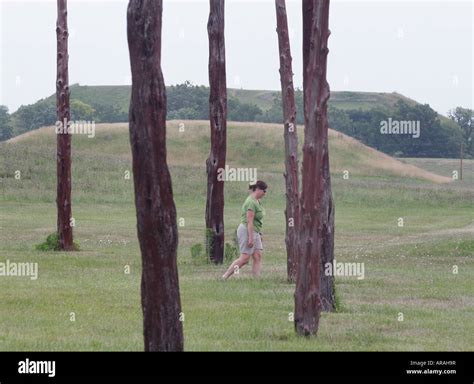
x,y
439,137
185,102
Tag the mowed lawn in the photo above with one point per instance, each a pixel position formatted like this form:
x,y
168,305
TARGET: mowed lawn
x,y
417,292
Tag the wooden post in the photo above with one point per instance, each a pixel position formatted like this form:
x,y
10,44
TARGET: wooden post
x,y
291,141
63,139
328,299
156,212
315,200
218,122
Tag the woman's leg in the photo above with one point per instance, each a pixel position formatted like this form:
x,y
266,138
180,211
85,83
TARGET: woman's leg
x,y
236,265
257,263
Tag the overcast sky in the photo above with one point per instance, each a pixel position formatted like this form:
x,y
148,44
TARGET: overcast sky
x,y
423,50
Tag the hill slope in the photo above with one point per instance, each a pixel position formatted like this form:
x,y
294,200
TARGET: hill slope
x,y
408,268
119,96
357,114
251,145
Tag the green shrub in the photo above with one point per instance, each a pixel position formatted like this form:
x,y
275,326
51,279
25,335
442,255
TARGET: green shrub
x,y
52,244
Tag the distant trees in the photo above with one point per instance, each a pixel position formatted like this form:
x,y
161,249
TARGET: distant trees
x,y
239,111
6,130
464,117
156,211
218,121
63,199
439,136
274,113
105,113
82,111
39,114
185,102
188,101
44,113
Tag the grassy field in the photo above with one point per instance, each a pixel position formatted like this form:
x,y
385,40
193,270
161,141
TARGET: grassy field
x,y
445,167
408,270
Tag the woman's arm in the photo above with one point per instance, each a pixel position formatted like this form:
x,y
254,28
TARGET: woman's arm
x,y
250,217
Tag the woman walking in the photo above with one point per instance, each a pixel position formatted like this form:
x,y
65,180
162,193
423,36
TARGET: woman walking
x,y
249,232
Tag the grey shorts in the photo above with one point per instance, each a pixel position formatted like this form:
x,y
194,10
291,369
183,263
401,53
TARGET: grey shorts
x,y
242,236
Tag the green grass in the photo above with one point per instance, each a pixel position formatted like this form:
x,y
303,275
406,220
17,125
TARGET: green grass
x,y
407,270
446,167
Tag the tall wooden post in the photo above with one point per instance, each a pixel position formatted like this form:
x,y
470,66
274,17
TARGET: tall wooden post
x,y
63,158
218,121
156,212
291,141
327,289
315,204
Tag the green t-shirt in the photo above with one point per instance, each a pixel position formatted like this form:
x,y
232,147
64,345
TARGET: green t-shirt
x,y
257,207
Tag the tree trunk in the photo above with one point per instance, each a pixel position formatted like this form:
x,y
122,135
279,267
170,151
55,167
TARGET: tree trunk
x,y
63,158
218,121
327,282
291,141
328,298
315,206
156,212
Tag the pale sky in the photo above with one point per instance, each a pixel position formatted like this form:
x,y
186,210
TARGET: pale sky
x,y
423,50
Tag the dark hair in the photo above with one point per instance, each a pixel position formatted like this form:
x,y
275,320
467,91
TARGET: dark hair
x,y
259,184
